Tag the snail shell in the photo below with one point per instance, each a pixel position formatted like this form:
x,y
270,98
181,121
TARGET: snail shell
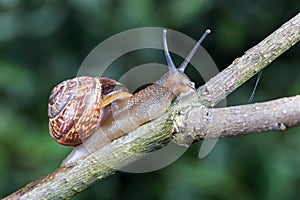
x,y
77,107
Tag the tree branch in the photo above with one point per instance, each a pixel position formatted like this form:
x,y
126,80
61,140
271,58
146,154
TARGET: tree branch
x,y
254,60
207,123
195,117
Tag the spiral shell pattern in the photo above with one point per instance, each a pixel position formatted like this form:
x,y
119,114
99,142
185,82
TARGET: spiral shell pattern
x,y
75,107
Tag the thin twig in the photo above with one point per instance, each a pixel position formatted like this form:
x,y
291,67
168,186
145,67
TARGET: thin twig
x,y
254,60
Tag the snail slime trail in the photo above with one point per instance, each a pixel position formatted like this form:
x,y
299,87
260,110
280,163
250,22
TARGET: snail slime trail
x,y
97,110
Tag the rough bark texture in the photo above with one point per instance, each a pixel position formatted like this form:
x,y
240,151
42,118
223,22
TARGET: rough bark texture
x,y
254,60
201,123
197,124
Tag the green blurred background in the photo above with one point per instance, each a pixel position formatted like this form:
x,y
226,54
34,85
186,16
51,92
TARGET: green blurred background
x,y
44,43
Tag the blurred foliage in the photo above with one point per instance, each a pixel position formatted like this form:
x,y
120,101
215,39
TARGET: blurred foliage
x,y
44,42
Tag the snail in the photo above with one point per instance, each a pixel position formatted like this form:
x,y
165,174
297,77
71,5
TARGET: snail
x,y
78,108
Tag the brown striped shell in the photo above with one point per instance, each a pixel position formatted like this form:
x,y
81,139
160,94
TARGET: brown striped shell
x,y
77,107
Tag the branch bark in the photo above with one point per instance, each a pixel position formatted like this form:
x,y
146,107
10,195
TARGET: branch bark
x,y
254,60
209,123
192,116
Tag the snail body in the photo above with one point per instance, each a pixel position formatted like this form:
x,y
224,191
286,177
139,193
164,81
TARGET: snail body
x,y
94,111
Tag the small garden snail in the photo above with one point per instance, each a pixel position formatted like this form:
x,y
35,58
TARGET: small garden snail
x,y
81,106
